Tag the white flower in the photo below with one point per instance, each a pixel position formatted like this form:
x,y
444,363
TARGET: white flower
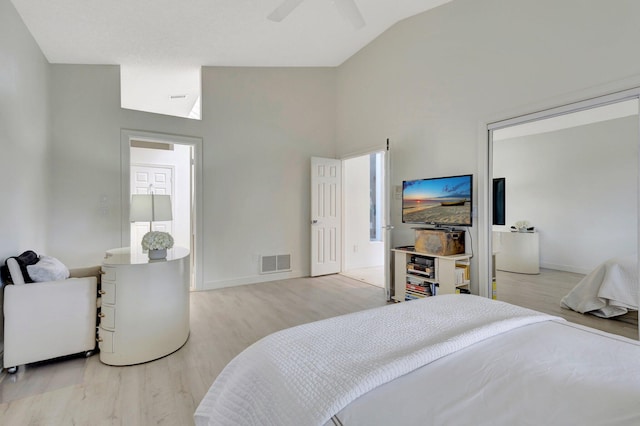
x,y
157,240
522,224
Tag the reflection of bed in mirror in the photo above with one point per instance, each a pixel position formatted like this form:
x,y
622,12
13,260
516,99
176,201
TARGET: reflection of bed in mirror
x,y
451,359
610,290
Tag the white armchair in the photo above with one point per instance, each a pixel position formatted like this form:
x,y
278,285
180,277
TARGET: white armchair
x,y
47,320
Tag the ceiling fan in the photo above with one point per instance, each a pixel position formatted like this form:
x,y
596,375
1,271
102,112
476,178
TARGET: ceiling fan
x,y
347,8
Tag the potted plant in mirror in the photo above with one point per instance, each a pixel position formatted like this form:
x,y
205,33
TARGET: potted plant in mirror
x,y
157,243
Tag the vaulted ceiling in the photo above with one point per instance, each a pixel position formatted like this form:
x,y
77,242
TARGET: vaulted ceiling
x,y
207,32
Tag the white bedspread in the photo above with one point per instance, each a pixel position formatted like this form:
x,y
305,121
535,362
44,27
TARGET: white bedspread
x,y
609,290
306,374
552,373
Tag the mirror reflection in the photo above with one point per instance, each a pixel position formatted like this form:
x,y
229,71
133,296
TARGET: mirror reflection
x,y
565,202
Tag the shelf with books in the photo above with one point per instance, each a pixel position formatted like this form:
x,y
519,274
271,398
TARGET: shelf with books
x,y
421,275
462,273
421,270
425,289
419,280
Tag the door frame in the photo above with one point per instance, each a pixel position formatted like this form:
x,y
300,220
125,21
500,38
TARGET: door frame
x,y
485,170
387,226
126,135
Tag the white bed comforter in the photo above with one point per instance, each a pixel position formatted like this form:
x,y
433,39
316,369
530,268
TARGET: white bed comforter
x,y
306,374
609,290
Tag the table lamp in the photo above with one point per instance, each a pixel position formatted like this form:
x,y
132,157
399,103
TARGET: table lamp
x,y
150,208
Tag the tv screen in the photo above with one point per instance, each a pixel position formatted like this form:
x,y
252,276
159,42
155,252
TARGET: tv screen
x,y
437,201
499,201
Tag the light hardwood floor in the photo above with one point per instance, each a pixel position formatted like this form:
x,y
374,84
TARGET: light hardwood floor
x,y
373,275
167,391
544,291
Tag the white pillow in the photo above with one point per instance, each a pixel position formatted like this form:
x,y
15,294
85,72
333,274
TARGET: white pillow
x,y
14,271
48,269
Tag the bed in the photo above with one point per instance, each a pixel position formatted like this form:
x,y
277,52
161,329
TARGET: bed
x,y
450,359
610,290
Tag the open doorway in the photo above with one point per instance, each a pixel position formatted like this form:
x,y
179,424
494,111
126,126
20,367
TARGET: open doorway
x,y
166,165
163,169
364,206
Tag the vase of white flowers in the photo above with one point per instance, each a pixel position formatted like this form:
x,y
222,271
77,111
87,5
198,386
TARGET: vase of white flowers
x,y
157,243
522,226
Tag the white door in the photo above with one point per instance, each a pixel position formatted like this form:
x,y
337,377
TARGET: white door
x,y
326,235
144,180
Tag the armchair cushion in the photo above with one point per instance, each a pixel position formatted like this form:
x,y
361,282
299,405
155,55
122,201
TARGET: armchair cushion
x,y
29,257
14,271
48,269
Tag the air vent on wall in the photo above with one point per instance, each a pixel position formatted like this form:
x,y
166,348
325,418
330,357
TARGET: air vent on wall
x,y
275,263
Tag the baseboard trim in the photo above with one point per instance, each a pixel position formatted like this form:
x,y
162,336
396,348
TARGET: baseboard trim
x,y
252,279
565,268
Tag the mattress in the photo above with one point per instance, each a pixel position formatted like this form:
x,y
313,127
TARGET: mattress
x,y
306,374
552,373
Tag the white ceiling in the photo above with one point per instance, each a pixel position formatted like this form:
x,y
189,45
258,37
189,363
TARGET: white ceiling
x,y
206,32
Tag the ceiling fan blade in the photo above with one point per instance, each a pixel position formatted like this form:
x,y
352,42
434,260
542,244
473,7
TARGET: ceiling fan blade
x,y
349,10
284,10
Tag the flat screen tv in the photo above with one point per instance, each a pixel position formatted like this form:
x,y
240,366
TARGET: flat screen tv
x,y
499,214
440,201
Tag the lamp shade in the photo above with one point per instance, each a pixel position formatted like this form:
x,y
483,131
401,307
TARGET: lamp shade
x,y
150,208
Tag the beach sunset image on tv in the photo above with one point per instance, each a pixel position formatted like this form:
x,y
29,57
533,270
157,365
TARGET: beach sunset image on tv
x,y
438,201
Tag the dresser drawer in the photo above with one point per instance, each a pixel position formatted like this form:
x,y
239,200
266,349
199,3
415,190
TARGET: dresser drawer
x,y
108,317
108,292
108,274
105,340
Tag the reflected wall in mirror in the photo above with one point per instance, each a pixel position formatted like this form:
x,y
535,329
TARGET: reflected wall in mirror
x,y
574,178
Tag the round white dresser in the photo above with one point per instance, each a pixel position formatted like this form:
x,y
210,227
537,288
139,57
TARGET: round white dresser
x,y
144,311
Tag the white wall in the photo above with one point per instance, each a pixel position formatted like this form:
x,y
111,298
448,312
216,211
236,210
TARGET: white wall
x,y
24,141
578,187
85,162
179,159
262,127
259,129
360,251
24,137
432,82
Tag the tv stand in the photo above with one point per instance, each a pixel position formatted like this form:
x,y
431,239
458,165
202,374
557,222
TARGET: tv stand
x,y
437,274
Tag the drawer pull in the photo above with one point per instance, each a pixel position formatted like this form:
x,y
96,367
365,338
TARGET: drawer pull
x,y
99,339
102,272
102,292
101,315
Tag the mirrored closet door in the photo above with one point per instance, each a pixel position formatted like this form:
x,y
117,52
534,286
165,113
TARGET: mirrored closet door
x,y
564,190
